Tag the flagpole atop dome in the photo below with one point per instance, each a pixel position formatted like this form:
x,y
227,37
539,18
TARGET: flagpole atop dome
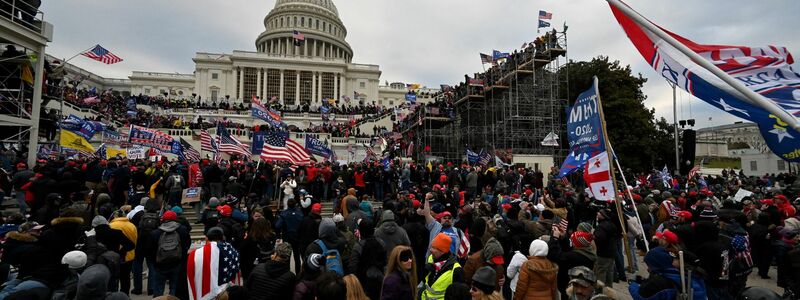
x,y
750,96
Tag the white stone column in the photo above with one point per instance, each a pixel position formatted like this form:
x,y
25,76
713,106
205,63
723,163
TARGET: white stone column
x,y
281,90
258,84
314,96
314,51
288,46
335,85
297,88
241,84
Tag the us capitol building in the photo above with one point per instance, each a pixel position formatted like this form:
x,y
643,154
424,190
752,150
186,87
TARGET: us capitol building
x,y
319,68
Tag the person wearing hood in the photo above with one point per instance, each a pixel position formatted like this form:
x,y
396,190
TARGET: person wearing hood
x,y
121,222
273,279
353,209
329,237
537,276
368,259
733,235
93,283
606,235
490,256
17,245
56,240
665,278
114,240
210,216
167,270
390,234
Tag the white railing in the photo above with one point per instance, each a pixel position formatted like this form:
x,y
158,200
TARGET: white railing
x,y
23,13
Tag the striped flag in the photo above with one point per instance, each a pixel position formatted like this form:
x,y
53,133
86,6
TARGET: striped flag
x,y
543,15
230,144
694,171
102,55
211,269
298,37
209,144
463,244
279,147
189,153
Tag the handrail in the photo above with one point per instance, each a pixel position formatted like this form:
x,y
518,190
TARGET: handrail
x,y
18,11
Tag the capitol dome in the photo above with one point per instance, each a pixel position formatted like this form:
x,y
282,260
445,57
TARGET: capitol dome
x,y
317,20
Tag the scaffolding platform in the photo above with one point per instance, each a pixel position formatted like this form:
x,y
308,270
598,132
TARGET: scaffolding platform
x,y
517,108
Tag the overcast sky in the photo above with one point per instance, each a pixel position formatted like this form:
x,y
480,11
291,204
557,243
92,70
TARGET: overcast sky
x,y
421,41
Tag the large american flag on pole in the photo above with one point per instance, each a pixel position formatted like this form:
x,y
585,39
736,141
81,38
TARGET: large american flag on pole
x,y
279,147
230,144
207,143
211,269
100,54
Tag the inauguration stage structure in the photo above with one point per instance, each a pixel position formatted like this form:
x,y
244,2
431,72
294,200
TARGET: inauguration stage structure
x,y
511,107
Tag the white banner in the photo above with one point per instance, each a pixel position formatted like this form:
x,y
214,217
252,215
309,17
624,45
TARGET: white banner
x,y
137,152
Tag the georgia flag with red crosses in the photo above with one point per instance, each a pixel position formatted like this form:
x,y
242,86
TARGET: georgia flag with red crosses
x,y
598,178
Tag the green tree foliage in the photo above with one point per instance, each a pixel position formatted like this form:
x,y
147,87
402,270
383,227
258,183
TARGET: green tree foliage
x,y
640,142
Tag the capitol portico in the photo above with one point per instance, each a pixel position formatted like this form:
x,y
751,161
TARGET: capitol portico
x,y
304,73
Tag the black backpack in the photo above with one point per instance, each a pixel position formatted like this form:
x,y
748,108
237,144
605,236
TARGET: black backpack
x,y
149,222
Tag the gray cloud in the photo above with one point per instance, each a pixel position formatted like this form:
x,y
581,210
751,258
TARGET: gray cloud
x,y
429,42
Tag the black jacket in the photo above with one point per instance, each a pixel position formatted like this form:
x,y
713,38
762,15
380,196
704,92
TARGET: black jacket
x,y
271,280
113,239
152,245
605,237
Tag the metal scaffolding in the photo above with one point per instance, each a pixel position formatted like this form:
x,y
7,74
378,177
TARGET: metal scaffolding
x,y
23,28
513,105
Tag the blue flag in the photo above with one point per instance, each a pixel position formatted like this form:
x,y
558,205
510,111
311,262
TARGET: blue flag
x,y
317,147
543,24
411,98
498,55
472,157
387,163
585,131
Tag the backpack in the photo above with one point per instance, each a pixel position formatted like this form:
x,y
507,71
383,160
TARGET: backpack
x,y
169,248
149,222
333,261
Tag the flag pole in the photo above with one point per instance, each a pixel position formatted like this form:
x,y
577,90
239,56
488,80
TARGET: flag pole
x,y
630,195
617,200
79,53
749,95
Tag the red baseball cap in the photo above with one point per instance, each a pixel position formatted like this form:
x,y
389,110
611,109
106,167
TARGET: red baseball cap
x,y
498,260
443,214
668,236
316,208
416,203
684,214
22,165
169,216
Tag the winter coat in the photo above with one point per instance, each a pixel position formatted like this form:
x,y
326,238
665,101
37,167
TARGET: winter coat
x,y
513,268
130,232
396,286
61,237
367,262
665,285
354,214
114,240
304,290
537,280
310,229
152,250
93,283
567,260
479,259
17,246
391,234
289,223
271,280
605,237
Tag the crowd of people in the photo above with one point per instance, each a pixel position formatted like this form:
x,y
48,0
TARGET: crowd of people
x,y
409,231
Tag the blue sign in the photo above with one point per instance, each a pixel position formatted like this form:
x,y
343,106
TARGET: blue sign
x,y
317,147
585,131
81,127
258,142
411,98
472,157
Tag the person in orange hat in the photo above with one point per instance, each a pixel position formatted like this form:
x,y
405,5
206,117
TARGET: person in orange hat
x,y
444,269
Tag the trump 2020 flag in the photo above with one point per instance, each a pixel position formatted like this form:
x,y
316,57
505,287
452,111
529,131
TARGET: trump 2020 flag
x,y
763,70
598,177
584,131
211,268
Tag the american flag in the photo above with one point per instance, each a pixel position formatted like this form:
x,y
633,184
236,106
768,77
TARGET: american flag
x,y
100,54
209,144
211,269
463,245
298,36
279,147
694,171
229,144
543,15
189,153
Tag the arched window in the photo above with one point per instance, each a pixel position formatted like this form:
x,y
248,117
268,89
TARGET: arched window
x,y
295,21
281,21
317,24
302,22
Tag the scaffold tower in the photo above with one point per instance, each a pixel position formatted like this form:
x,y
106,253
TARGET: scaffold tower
x,y
24,35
